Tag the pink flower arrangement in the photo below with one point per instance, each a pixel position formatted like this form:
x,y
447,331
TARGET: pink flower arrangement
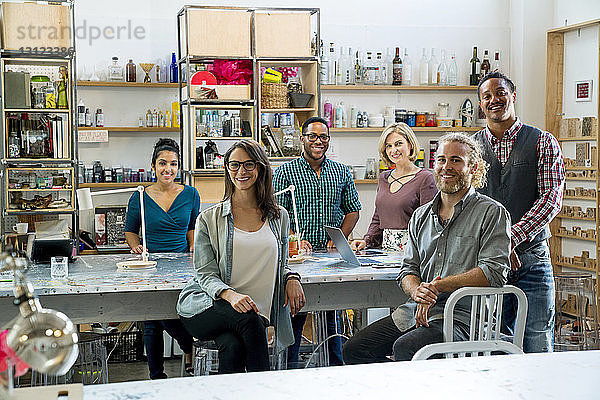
x,y
229,72
8,356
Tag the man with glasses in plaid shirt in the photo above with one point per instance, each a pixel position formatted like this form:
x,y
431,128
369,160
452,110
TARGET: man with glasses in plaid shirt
x,y
526,175
325,195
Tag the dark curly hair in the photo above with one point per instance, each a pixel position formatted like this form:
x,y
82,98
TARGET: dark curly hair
x,y
165,144
263,186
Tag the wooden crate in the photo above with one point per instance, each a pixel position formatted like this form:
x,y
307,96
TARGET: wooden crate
x,y
282,34
51,26
211,189
225,92
219,33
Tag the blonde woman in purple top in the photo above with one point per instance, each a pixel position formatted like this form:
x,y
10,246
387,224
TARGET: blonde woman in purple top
x,y
399,191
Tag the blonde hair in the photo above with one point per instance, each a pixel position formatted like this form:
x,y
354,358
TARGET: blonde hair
x,y
474,155
403,130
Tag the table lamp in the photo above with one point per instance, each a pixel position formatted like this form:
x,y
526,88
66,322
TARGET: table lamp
x,y
84,198
292,189
44,339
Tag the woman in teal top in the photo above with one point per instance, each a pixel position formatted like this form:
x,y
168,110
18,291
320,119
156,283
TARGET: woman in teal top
x,y
170,212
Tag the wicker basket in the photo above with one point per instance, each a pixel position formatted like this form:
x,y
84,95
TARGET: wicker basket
x,y
274,95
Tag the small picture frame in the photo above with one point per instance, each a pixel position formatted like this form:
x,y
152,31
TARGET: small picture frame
x,y
583,90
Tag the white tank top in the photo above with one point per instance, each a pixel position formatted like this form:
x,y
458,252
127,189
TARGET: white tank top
x,y
254,266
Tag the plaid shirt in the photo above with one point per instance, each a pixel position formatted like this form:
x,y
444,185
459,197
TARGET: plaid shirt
x,y
550,179
321,200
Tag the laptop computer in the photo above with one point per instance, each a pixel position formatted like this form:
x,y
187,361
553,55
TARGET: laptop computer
x,y
346,252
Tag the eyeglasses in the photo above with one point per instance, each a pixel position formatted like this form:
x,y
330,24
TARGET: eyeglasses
x,y
312,137
248,165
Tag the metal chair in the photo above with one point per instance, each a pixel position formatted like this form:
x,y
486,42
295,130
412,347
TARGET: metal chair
x,y
486,313
473,348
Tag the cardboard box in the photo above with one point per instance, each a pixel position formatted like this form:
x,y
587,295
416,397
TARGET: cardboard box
x,y
36,25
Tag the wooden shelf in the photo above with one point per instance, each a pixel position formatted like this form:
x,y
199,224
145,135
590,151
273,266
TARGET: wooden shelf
x,y
359,181
129,84
40,161
580,169
397,87
40,210
223,137
290,110
583,178
37,110
574,237
577,218
39,190
579,198
414,128
577,139
559,264
114,184
128,129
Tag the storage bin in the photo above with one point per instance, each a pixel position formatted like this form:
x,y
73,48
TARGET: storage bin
x,y
224,92
273,95
281,34
52,23
219,32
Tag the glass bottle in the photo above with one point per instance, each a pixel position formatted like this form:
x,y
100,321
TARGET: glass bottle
x,y
389,67
406,69
348,70
332,64
14,144
452,71
358,69
325,65
423,69
475,68
115,71
370,70
485,64
442,71
148,119
339,67
173,69
99,117
496,65
381,75
88,117
432,67
130,69
397,68
80,113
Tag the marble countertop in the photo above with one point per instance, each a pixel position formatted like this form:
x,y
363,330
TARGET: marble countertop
x,y
570,375
99,273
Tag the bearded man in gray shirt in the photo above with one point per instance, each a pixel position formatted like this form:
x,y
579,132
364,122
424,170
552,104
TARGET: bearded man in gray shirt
x,y
461,238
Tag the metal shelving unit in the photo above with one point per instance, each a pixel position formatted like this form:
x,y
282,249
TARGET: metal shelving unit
x,y
40,57
243,44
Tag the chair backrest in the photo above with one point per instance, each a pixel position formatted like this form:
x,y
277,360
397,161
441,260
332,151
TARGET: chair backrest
x,y
486,313
461,349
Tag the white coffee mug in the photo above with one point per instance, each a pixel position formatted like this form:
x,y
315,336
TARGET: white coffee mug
x,y
21,228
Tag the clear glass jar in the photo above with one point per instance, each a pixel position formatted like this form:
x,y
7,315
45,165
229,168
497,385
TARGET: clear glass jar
x,y
443,110
371,172
115,71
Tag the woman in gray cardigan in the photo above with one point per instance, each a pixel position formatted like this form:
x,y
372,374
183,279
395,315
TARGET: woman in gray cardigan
x,y
242,282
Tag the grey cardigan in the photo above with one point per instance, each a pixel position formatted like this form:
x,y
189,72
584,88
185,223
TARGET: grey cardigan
x,y
213,254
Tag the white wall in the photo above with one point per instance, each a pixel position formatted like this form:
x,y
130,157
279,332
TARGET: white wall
x,y
516,27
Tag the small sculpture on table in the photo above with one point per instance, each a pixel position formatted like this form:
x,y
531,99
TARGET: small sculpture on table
x,y
147,67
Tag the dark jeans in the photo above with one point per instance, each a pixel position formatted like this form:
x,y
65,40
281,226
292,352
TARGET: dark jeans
x,y
382,338
153,340
334,344
241,338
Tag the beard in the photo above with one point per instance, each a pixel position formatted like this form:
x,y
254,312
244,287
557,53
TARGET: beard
x,y
462,181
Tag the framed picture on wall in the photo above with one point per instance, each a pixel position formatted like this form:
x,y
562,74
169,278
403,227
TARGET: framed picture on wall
x,y
583,90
